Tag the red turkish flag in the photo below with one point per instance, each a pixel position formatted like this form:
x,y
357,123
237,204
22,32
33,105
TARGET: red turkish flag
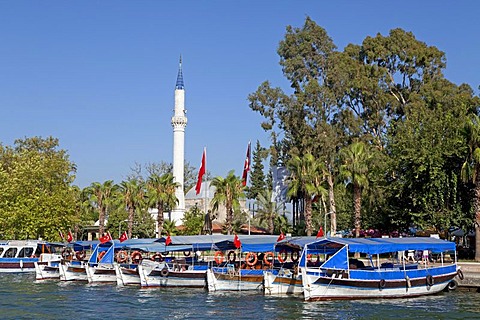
x,y
124,236
236,242
320,232
281,237
246,166
69,236
107,237
168,240
201,172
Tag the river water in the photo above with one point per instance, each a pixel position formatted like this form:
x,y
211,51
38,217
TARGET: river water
x,y
21,297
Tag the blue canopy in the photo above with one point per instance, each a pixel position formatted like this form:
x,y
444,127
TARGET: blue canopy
x,y
381,245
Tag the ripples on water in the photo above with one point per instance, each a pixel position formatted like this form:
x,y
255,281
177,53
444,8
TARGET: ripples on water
x,y
21,297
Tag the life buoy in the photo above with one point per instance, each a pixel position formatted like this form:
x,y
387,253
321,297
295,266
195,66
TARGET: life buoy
x,y
157,257
232,256
122,256
136,257
429,280
164,272
66,254
381,284
251,259
187,253
100,255
294,256
166,253
460,274
282,256
268,258
219,257
80,255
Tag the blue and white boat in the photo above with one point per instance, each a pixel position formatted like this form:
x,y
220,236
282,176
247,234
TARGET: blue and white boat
x,y
382,273
19,255
100,266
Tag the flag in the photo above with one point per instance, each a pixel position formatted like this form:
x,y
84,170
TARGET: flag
x,y
246,166
69,236
62,236
106,237
168,240
124,236
236,242
320,232
281,237
201,172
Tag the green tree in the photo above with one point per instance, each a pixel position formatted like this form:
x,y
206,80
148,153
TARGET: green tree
x,y
257,178
193,221
102,197
268,211
161,195
304,182
355,172
132,193
37,199
228,192
471,172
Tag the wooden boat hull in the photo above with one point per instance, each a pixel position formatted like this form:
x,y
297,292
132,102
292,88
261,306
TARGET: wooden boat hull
x,y
127,276
282,284
45,270
18,264
70,272
165,277
101,273
233,281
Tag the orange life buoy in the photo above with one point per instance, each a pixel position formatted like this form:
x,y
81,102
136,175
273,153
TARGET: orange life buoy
x,y
251,259
268,258
122,256
100,255
157,257
136,257
219,257
80,255
282,256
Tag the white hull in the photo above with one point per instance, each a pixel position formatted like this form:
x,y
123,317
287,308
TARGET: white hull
x,y
366,289
232,282
125,277
70,272
282,284
160,275
101,273
45,271
18,265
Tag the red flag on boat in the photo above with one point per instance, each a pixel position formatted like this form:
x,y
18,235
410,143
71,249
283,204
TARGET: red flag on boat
x,y
168,240
281,237
236,242
246,166
69,236
201,172
106,237
124,236
320,232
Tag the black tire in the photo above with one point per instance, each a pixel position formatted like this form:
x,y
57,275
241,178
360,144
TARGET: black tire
x,y
164,272
381,284
460,274
430,281
452,285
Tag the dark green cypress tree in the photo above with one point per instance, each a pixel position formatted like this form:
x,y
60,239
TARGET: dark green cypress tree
x,y
257,177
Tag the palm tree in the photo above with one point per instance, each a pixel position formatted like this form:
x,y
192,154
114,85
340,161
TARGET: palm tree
x,y
132,194
228,192
471,171
268,211
161,195
355,171
170,228
101,196
305,180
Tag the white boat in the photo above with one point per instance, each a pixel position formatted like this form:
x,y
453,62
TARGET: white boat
x,y
72,271
174,274
19,255
285,282
102,271
127,274
47,266
343,277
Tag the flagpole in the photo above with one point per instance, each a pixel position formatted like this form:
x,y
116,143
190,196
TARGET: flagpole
x,y
206,186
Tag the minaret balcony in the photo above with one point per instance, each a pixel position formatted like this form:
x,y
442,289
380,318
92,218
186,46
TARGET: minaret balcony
x,y
179,121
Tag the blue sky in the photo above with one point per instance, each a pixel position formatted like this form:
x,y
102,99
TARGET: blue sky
x,y
100,75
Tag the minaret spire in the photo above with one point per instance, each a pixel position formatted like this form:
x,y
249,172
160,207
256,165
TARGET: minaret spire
x,y
180,84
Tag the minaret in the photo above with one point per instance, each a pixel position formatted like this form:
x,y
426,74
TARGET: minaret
x,y
179,122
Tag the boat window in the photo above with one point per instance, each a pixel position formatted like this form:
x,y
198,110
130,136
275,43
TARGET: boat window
x,y
1,251
10,253
25,252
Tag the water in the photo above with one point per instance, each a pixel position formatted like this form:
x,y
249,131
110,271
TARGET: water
x,y
21,297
